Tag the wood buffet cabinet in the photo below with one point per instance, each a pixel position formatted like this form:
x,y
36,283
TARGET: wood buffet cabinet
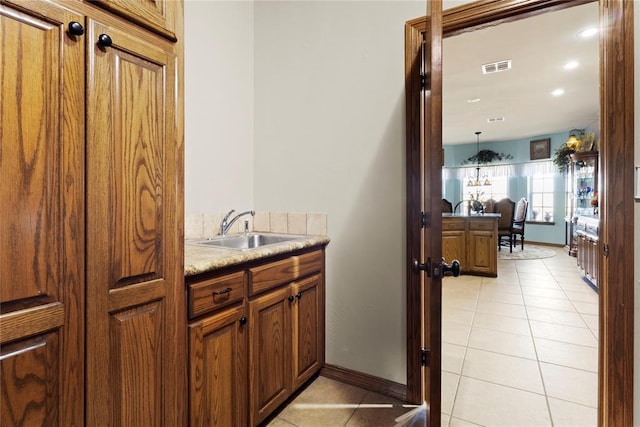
x,y
91,213
256,334
473,241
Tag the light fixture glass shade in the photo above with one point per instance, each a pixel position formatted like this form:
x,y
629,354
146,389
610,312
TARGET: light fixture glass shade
x,y
575,138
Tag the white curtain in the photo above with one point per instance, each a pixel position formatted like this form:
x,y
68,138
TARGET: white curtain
x,y
515,169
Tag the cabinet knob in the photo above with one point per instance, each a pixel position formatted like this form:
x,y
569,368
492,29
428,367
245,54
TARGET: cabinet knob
x,y
299,295
76,28
291,298
243,320
104,40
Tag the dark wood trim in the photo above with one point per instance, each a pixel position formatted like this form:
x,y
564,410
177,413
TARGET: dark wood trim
x,y
489,13
616,181
413,46
365,381
616,213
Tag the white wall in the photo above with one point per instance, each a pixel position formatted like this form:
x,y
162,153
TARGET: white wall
x,y
218,106
336,146
329,137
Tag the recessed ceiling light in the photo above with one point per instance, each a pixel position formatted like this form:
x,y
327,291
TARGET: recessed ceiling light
x,y
571,65
589,32
473,100
558,92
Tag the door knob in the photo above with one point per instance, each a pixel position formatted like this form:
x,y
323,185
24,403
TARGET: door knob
x,y
452,269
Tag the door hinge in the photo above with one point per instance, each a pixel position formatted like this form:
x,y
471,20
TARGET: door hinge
x,y
425,357
605,250
424,219
424,81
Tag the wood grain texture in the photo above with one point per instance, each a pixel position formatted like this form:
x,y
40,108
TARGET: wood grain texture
x,y
307,327
151,14
616,275
285,333
136,353
270,371
135,258
212,294
218,370
271,275
31,370
431,198
42,209
413,99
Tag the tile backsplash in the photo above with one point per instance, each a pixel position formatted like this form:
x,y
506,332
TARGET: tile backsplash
x,y
203,225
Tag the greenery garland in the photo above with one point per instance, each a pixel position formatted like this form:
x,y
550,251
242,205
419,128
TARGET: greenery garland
x,y
561,158
486,156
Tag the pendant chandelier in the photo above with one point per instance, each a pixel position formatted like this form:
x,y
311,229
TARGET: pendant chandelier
x,y
477,181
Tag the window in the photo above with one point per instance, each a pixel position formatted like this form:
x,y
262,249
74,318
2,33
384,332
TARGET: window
x,y
541,197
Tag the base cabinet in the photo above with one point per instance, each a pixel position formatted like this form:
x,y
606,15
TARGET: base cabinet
x,y
588,256
473,241
254,347
218,369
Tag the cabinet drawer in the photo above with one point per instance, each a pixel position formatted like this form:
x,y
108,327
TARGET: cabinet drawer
x,y
275,274
212,294
453,224
481,225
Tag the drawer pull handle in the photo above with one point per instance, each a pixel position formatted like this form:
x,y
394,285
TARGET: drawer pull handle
x,y
226,291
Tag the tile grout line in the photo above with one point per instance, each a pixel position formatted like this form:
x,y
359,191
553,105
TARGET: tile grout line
x,y
535,349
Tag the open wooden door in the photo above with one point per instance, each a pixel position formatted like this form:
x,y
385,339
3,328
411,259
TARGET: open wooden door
x,y
424,219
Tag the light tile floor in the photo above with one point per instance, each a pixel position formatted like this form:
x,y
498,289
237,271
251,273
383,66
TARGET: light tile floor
x,y
518,350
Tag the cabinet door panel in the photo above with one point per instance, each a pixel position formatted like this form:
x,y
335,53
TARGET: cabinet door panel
x,y
482,252
134,254
218,370
41,215
30,381
136,352
308,326
270,353
454,246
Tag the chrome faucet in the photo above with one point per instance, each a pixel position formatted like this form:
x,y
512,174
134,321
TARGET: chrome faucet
x,y
226,223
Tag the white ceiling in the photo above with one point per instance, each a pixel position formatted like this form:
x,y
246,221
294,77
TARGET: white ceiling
x,y
538,48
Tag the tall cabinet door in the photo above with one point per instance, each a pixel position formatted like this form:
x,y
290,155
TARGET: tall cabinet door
x,y
135,340
41,216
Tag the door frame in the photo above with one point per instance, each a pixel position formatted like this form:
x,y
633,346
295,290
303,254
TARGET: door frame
x,y
616,305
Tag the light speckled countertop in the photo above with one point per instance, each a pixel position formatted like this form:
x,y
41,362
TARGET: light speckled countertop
x,y
200,259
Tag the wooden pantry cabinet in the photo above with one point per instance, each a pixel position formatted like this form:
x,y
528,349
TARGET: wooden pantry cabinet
x,y
91,285
256,336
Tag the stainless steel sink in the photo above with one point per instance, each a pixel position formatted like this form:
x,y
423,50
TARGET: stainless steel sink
x,y
245,242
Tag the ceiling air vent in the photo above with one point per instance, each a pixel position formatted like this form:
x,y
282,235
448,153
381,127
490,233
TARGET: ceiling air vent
x,y
496,67
495,119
